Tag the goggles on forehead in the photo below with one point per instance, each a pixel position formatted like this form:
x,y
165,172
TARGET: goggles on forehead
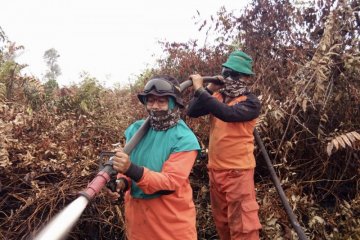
x,y
227,72
161,86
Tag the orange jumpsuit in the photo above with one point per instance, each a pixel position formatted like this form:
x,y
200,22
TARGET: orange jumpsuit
x,y
231,163
169,216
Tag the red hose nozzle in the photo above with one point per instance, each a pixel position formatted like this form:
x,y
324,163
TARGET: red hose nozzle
x,y
96,185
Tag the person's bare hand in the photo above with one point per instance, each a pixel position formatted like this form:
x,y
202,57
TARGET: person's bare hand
x,y
121,161
113,196
197,81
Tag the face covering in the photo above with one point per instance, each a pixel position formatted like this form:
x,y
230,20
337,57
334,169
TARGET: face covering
x,y
161,120
234,88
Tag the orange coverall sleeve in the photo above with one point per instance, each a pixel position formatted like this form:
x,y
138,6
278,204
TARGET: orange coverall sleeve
x,y
173,175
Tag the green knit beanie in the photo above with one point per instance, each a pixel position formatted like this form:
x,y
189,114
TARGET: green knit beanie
x,y
239,62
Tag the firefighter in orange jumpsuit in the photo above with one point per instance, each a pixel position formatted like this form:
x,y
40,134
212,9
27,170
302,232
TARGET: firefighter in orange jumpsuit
x,y
158,199
233,112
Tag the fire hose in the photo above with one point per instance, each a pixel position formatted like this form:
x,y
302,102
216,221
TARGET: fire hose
x,y
61,225
276,181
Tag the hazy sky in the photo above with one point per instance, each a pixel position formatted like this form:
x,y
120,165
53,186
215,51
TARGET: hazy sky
x,y
113,40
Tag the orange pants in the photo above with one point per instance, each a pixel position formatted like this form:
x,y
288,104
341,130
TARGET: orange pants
x,y
233,203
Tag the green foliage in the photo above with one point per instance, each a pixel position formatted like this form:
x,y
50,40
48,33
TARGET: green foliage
x,y
50,87
2,92
51,57
88,94
9,71
33,92
83,98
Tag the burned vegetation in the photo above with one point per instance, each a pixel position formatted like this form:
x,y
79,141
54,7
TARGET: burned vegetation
x,y
307,65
